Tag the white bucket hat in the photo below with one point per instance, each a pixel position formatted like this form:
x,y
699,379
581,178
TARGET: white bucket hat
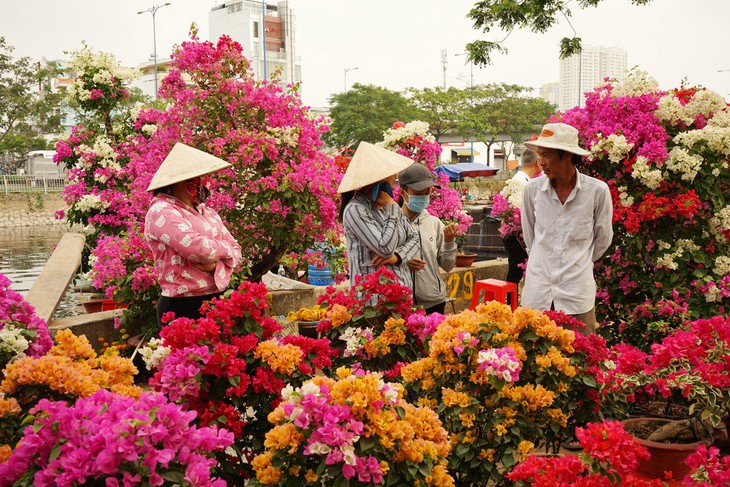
x,y
558,136
183,163
370,164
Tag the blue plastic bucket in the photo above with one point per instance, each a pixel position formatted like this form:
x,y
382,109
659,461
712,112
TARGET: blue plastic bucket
x,y
320,277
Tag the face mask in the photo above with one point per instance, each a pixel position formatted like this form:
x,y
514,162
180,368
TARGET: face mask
x,y
197,190
382,186
418,202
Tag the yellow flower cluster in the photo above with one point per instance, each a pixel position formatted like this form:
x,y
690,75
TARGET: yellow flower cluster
x,y
360,393
558,416
451,397
524,449
393,334
531,397
281,358
5,452
555,359
266,473
8,406
439,477
423,371
284,437
72,368
338,315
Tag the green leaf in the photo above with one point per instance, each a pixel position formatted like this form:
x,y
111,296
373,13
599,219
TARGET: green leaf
x,y
234,380
55,451
174,476
401,412
341,482
366,443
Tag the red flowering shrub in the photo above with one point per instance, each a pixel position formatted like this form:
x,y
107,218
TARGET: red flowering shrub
x,y
230,368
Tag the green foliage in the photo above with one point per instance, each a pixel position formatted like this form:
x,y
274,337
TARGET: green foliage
x,y
366,111
537,15
443,110
28,108
498,109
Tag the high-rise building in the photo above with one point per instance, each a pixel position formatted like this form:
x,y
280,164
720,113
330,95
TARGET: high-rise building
x,y
550,92
583,72
268,37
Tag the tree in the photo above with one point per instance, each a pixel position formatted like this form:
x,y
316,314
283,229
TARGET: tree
x,y
364,112
28,108
499,110
537,15
441,109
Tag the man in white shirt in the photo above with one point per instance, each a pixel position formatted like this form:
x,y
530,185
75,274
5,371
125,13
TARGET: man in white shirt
x,y
566,222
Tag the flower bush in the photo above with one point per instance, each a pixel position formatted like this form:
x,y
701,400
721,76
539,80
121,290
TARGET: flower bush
x,y
69,370
709,468
690,366
664,155
229,367
367,324
414,141
278,196
22,332
116,440
610,455
357,430
502,383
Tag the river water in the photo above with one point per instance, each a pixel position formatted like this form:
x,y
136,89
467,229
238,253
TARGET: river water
x,y
24,252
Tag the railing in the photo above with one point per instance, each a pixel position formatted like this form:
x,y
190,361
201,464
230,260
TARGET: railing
x,y
44,183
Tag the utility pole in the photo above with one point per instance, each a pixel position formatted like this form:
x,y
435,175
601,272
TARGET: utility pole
x,y
444,60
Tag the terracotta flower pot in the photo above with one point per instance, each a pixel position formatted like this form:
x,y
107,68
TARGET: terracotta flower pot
x,y
465,260
664,456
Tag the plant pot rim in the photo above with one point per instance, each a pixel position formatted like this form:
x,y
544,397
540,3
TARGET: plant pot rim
x,y
665,446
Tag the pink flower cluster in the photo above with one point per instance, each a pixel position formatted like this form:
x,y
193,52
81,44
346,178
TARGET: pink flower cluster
x,y
15,310
423,325
501,363
709,468
115,439
511,223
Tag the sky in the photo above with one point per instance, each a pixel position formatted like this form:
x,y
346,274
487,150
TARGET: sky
x,y
397,43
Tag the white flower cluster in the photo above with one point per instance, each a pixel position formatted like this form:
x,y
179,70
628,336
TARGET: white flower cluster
x,y
625,198
720,222
354,339
135,111
154,353
636,83
288,135
682,162
649,177
513,192
703,102
149,128
716,138
722,266
392,136
615,146
91,202
103,64
13,341
668,260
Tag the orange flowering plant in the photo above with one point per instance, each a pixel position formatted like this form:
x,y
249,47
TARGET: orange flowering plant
x,y
367,324
501,382
71,369
353,430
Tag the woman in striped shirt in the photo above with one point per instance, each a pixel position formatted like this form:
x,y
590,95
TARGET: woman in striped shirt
x,y
376,231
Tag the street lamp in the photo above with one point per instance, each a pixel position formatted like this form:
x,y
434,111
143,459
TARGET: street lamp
x,y
153,10
346,70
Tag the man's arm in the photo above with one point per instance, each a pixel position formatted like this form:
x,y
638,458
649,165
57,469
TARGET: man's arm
x,y
527,216
602,222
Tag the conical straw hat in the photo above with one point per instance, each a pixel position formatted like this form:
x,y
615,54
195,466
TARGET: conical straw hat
x,y
182,163
370,164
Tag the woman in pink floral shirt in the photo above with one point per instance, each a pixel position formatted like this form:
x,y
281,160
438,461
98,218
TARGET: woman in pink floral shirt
x,y
194,252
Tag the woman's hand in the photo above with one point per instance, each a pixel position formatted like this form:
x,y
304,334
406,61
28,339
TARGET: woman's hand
x,y
450,232
378,260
